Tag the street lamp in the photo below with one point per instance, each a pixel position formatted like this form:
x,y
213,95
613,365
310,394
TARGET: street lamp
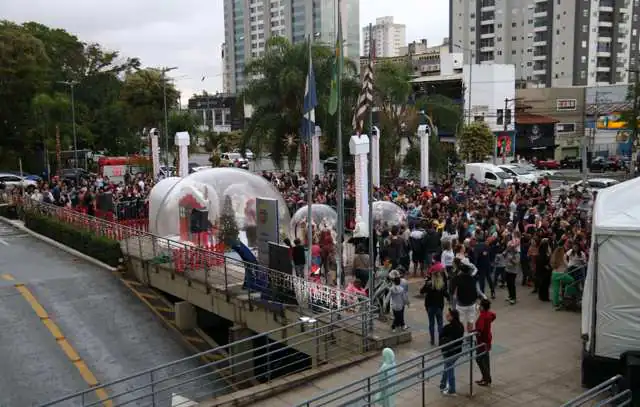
x,y
166,114
71,85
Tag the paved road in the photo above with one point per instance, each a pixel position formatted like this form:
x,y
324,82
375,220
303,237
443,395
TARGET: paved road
x,y
110,329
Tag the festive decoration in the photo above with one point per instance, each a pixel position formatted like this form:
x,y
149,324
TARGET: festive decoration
x,y
228,232
387,214
323,218
58,151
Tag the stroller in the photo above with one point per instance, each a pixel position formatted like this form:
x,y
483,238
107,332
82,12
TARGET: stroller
x,y
571,289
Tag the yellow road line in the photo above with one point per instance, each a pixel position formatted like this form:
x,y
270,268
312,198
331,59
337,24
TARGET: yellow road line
x,y
64,344
194,339
164,309
149,296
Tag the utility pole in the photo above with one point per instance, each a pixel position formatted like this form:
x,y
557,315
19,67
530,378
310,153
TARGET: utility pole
x,y
164,71
634,119
72,85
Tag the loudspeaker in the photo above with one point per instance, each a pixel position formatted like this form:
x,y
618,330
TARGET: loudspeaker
x,y
105,202
199,220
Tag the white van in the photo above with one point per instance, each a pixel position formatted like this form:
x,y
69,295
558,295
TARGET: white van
x,y
487,173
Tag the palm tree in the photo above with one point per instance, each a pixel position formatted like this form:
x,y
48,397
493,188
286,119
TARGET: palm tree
x,y
398,118
276,93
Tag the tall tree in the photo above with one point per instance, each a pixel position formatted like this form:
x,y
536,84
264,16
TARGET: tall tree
x,y
276,95
23,74
476,142
143,92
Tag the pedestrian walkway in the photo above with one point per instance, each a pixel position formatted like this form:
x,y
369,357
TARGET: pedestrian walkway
x,y
535,360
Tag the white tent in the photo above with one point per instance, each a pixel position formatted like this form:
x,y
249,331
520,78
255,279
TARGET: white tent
x,y
611,299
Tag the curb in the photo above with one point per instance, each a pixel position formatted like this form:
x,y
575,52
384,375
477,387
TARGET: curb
x,y
19,225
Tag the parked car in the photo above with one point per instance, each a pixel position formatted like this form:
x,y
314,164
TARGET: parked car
x,y
540,174
571,163
595,184
520,174
11,181
618,163
74,174
234,160
331,165
248,154
603,164
548,164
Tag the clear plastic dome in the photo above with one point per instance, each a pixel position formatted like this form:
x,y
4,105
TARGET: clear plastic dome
x,y
323,218
387,214
206,191
157,194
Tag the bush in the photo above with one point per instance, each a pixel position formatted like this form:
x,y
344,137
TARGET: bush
x,y
100,248
9,211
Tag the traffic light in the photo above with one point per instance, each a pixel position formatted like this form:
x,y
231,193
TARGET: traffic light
x,y
507,116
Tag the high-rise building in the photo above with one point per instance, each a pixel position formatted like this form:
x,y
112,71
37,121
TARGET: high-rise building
x,y
551,43
250,23
388,38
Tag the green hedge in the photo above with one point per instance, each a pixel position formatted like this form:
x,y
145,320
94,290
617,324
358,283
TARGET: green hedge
x,y
100,248
9,211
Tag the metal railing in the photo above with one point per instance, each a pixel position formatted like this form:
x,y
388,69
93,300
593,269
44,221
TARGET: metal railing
x,y
213,269
374,389
608,393
307,343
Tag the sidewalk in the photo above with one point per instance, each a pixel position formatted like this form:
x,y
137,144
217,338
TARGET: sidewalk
x,y
535,360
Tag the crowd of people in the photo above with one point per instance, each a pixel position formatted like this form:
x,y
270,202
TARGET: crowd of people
x,y
96,195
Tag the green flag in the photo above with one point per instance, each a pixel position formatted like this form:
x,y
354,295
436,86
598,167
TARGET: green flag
x,y
337,70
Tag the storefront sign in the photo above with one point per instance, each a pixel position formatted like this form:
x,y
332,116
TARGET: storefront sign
x,y
564,105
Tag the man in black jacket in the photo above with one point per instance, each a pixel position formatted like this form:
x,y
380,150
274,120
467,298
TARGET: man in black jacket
x,y
465,292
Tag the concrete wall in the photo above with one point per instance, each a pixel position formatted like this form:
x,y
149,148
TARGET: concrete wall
x,y
253,315
489,86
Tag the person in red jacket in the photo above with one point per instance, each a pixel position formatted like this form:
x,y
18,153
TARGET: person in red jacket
x,y
484,338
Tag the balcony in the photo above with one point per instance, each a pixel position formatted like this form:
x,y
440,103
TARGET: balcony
x,y
539,57
540,14
540,71
542,42
488,22
603,68
606,6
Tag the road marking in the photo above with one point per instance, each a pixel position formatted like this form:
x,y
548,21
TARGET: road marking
x,y
64,344
4,242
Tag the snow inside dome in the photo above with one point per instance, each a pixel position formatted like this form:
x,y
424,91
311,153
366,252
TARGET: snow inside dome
x,y
323,218
387,214
206,191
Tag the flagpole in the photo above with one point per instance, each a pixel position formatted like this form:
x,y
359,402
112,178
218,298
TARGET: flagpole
x,y
309,186
340,180
372,266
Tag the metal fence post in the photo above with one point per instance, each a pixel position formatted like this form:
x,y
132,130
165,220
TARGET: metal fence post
x,y
153,388
424,395
369,390
226,280
471,365
82,400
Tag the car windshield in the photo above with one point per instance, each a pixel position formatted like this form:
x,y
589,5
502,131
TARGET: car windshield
x,y
527,167
502,174
234,156
520,171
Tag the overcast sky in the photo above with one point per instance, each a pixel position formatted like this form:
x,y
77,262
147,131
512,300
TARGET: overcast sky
x,y
188,33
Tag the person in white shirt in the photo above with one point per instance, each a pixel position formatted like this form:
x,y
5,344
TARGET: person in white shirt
x,y
576,257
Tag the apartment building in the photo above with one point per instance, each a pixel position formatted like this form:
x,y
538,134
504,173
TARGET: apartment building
x,y
551,43
250,23
388,38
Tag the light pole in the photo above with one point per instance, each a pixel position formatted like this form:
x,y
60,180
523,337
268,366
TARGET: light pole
x,y
166,114
72,85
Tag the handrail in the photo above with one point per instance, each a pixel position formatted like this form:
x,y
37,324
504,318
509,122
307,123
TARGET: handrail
x,y
425,360
594,392
304,333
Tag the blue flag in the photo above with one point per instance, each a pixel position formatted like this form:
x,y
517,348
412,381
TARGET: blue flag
x,y
310,102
